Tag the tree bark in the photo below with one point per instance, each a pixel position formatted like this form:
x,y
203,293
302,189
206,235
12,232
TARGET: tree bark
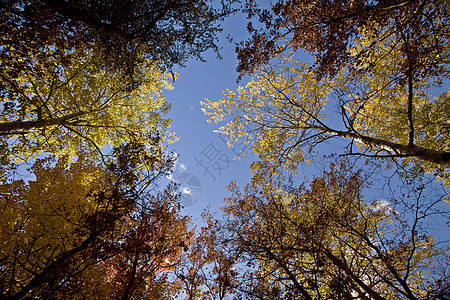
x,y
435,156
341,265
10,128
41,277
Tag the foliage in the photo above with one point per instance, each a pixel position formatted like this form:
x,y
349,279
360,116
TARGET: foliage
x,y
122,33
73,103
380,64
92,72
267,112
326,242
387,110
76,76
208,270
328,28
85,230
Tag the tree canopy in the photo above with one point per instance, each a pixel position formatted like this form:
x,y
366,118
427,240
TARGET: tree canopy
x,y
86,230
282,114
122,33
74,103
387,98
325,241
328,28
379,82
92,72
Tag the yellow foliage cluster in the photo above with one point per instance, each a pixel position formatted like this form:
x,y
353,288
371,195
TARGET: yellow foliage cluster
x,y
78,103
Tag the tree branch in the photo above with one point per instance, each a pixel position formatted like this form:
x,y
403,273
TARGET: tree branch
x,y
18,127
435,156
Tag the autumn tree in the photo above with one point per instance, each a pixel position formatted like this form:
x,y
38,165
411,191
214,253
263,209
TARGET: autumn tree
x,y
328,28
74,103
380,68
122,33
208,270
155,236
92,72
389,102
87,230
325,241
282,114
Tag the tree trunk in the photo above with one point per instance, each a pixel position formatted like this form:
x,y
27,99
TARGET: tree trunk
x,y
10,128
52,268
435,156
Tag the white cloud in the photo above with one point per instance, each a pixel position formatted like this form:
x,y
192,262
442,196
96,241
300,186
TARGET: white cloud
x,y
383,205
185,190
170,177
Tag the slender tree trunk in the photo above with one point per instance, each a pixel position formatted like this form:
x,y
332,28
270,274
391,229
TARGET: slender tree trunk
x,y
42,277
127,293
11,128
292,277
410,107
341,265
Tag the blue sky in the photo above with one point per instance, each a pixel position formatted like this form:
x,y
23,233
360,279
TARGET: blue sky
x,y
204,157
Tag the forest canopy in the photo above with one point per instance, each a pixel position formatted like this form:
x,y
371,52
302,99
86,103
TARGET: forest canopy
x,y
89,205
